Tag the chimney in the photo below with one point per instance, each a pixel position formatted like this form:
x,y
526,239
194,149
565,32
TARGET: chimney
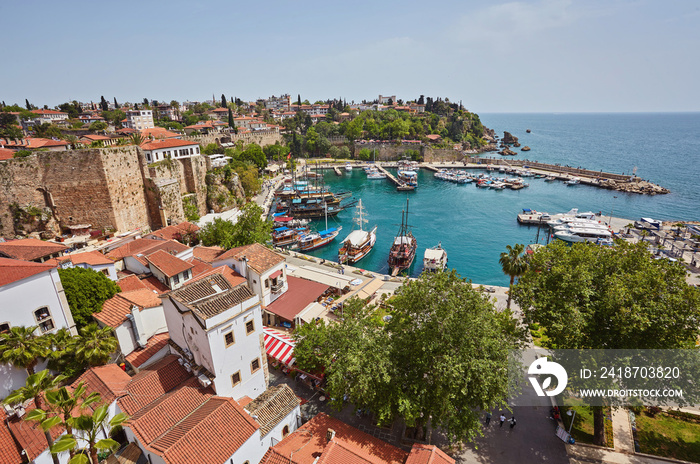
x,y
330,434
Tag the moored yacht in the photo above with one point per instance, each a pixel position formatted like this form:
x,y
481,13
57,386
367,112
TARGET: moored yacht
x,y
359,242
435,258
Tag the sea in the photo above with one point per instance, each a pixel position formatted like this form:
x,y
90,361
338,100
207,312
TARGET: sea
x,y
474,225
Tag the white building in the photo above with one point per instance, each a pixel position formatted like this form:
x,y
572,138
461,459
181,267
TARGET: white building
x,y
169,148
49,116
139,119
31,294
263,268
218,329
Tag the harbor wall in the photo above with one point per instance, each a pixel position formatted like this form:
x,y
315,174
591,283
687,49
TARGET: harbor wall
x,y
550,167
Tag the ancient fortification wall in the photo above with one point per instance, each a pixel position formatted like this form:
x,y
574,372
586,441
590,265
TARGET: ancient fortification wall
x,y
111,189
262,138
392,152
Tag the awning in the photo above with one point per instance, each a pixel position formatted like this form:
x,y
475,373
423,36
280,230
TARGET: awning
x,y
279,346
276,274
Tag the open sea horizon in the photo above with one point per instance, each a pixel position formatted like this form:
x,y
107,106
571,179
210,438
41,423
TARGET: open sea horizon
x,y
475,225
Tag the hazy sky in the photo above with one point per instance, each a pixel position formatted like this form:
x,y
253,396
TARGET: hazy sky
x,y
522,56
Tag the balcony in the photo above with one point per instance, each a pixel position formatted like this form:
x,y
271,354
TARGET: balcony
x,y
278,287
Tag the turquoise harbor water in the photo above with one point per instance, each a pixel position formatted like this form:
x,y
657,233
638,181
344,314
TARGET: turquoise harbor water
x,y
475,225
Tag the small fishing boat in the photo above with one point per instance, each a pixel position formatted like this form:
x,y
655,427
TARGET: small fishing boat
x,y
435,258
359,242
348,167
403,250
573,181
312,241
549,178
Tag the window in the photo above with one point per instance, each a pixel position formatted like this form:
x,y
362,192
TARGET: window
x,y
186,274
191,151
4,327
255,365
236,379
176,279
228,339
249,327
44,319
285,431
105,272
267,283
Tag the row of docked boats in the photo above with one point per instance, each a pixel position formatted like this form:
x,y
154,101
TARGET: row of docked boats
x,y
572,226
481,180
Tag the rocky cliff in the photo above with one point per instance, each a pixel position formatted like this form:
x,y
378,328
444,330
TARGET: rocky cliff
x,y
224,190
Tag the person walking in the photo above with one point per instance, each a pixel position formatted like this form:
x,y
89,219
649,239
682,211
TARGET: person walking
x,y
488,418
512,422
501,420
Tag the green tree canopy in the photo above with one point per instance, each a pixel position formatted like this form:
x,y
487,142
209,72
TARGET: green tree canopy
x,y
98,126
514,264
592,297
86,290
250,228
443,355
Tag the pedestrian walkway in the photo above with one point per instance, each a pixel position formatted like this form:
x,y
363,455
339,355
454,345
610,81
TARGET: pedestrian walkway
x,y
622,431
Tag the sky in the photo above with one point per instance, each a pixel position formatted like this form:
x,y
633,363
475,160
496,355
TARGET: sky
x,y
518,56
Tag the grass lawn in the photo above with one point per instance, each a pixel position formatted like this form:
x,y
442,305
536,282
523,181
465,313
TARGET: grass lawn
x,y
668,436
582,430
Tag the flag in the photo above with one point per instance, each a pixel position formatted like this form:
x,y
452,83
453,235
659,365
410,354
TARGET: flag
x,y
289,155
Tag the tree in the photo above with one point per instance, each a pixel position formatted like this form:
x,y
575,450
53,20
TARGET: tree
x,y
442,357
250,228
22,348
35,386
145,102
255,155
591,297
223,101
514,264
86,290
95,345
26,101
98,126
116,105
87,428
230,117
47,130
298,100
103,104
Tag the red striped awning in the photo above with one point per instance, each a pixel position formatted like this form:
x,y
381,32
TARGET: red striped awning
x,y
279,345
276,274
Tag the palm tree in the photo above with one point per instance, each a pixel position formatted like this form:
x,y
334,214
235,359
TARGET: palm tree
x,y
514,264
21,348
137,138
36,384
88,426
95,345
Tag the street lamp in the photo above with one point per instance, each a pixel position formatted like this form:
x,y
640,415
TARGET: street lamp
x,y
568,413
611,212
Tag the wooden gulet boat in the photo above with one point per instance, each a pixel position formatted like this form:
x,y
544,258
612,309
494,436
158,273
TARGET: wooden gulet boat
x,y
403,250
359,242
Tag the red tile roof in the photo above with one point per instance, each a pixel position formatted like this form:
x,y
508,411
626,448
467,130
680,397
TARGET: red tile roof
x,y
212,432
29,249
200,267
152,383
153,346
109,381
176,230
164,413
168,143
167,263
233,277
260,258
37,142
48,112
428,454
30,436
145,246
159,133
94,137
9,450
12,270
206,125
91,258
130,283
350,446
300,293
115,310
152,283
207,254
6,153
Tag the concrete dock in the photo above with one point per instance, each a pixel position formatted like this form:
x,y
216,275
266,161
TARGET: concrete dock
x,y
389,175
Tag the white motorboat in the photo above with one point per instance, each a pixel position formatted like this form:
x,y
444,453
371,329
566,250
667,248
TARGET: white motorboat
x,y
573,181
581,224
435,258
583,234
348,167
